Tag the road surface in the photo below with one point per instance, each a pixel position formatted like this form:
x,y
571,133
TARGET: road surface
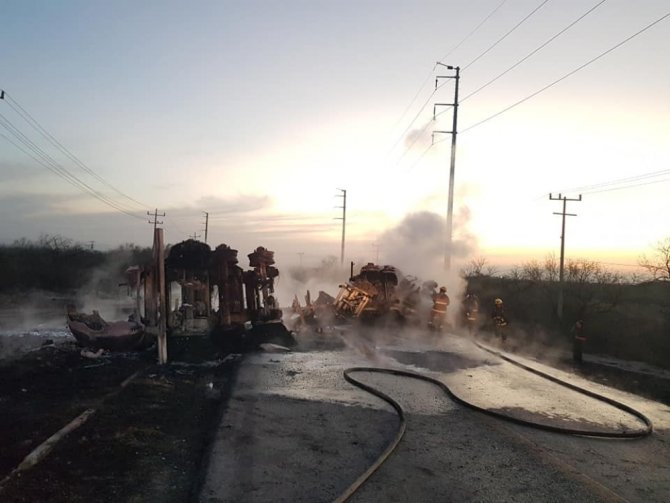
x,y
295,430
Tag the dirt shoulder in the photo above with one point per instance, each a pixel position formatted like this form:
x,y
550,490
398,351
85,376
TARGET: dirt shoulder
x,y
146,442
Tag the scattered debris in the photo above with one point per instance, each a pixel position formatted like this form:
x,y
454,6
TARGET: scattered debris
x,y
274,348
92,354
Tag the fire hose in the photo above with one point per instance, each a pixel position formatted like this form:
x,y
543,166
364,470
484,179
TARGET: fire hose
x,y
648,429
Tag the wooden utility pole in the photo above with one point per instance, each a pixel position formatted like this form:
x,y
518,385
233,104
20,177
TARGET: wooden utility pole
x,y
159,250
154,296
344,220
559,306
452,163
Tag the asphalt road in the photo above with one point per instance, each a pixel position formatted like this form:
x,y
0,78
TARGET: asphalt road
x,y
295,430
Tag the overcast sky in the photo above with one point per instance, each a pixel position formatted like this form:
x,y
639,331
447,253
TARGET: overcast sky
x,y
259,111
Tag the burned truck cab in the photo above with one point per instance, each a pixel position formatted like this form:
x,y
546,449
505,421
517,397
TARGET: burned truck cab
x,y
208,293
188,296
259,282
370,294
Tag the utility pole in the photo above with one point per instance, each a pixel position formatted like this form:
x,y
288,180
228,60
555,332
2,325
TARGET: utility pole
x,y
91,245
300,254
559,307
206,224
194,236
452,164
155,220
344,220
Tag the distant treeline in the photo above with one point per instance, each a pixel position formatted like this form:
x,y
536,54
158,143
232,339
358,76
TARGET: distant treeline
x,y
58,264
630,321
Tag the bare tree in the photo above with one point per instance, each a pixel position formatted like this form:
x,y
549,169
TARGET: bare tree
x,y
551,268
475,268
55,242
592,287
532,270
658,265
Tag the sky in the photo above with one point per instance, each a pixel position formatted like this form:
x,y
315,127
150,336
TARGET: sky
x,y
259,112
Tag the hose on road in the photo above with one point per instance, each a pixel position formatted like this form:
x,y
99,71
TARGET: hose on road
x,y
499,415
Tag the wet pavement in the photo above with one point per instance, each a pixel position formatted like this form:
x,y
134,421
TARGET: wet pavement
x,y
294,430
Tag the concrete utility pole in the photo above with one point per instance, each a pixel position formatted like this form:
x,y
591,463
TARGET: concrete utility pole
x,y
206,224
452,165
559,307
155,220
344,220
194,236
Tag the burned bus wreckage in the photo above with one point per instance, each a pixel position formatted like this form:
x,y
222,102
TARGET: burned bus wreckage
x,y
377,294
197,291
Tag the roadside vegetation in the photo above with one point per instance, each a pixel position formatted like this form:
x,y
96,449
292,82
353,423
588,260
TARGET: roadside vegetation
x,y
57,264
625,317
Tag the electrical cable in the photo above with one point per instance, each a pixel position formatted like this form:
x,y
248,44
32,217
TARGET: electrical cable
x,y
474,30
506,34
404,133
523,100
51,164
16,106
618,181
428,77
652,182
534,51
569,74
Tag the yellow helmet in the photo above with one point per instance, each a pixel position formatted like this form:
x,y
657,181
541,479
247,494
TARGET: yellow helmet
x,y
498,302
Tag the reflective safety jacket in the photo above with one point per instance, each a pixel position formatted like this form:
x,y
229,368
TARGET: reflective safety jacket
x,y
440,302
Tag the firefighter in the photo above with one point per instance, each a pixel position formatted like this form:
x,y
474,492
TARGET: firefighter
x,y
470,310
578,341
438,314
499,320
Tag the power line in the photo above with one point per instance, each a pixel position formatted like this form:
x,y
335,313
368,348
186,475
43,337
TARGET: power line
x,y
569,74
16,106
31,149
52,165
438,87
505,35
404,133
474,30
430,74
635,178
627,186
534,51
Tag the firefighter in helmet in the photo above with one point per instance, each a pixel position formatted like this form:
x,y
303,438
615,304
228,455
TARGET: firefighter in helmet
x,y
499,320
438,314
470,311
